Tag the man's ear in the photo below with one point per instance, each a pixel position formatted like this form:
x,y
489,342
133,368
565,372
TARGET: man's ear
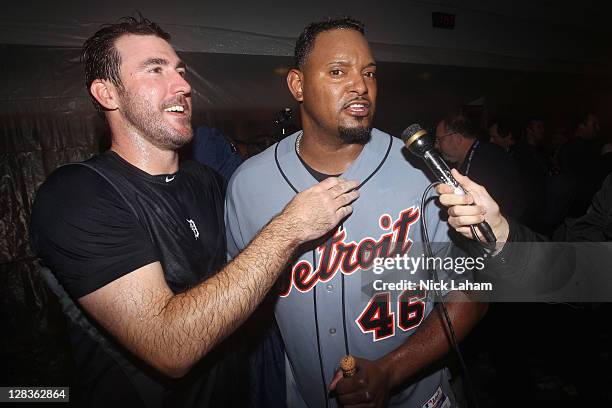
x,y
295,81
105,93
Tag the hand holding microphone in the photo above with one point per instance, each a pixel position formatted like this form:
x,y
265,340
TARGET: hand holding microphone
x,y
472,208
462,214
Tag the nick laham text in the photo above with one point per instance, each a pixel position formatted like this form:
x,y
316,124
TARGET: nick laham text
x,y
430,284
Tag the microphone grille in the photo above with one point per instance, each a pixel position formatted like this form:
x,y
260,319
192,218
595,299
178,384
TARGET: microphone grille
x,y
410,130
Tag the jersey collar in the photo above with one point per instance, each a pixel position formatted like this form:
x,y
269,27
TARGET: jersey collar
x,y
366,163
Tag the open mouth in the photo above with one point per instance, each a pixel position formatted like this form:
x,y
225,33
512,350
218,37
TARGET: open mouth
x,y
176,109
358,108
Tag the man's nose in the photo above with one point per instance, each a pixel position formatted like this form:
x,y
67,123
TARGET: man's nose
x,y
180,84
358,83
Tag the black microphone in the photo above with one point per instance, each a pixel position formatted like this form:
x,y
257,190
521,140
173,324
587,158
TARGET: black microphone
x,y
421,144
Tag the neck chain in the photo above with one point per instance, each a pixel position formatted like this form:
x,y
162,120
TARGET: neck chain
x,y
297,143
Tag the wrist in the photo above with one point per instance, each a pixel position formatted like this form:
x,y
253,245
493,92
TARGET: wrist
x,y
395,376
501,229
283,226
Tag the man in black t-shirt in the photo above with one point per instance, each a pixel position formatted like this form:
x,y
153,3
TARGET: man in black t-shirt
x,y
136,241
93,222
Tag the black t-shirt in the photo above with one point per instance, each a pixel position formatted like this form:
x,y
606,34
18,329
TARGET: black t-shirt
x,y
97,221
317,174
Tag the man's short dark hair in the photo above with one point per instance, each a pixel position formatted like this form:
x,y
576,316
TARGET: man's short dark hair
x,y
460,124
505,127
532,120
306,40
100,56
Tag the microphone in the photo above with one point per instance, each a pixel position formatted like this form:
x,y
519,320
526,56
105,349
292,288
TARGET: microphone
x,y
420,143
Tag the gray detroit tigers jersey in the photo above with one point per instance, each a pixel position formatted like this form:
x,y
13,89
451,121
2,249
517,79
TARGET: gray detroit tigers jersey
x,y
327,307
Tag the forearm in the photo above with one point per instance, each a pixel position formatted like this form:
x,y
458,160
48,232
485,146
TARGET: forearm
x,y
432,339
193,322
173,331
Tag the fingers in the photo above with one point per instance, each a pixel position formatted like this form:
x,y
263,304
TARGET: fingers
x,y
478,191
354,398
343,207
353,391
467,210
444,189
451,199
466,215
342,186
463,221
330,182
322,206
350,385
343,212
465,231
337,377
347,198
465,181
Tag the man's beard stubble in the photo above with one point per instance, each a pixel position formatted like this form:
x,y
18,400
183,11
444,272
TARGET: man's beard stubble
x,y
355,135
144,118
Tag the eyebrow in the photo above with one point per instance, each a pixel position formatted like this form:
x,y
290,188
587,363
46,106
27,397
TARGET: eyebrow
x,y
160,61
154,61
344,62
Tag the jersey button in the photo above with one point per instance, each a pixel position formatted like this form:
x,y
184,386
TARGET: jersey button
x,y
329,287
332,331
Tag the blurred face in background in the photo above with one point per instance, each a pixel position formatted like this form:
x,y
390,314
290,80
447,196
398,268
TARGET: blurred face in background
x,y
496,138
591,127
535,131
448,143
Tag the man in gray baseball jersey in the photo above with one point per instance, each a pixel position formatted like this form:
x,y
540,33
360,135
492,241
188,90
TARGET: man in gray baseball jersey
x,y
322,312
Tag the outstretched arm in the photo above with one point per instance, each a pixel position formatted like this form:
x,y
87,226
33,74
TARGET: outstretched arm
x,y
172,332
